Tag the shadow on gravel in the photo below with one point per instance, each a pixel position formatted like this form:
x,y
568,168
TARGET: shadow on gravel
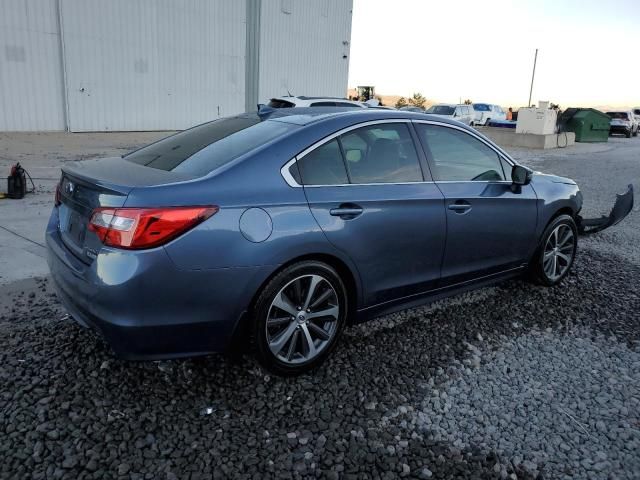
x,y
68,409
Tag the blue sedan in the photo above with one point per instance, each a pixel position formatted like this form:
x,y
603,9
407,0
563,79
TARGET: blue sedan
x,y
277,229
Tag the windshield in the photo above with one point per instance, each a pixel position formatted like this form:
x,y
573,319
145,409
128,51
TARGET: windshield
x,y
481,107
442,110
204,148
618,115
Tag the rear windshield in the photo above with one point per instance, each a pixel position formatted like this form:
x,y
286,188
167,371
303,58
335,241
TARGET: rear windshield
x,y
275,103
636,111
619,115
442,110
481,107
204,148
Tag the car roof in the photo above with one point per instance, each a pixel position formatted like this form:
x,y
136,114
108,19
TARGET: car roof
x,y
309,115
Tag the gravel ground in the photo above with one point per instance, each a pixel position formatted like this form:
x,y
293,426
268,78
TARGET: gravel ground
x,y
539,396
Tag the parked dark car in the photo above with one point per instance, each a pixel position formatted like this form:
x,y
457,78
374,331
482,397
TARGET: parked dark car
x,y
277,230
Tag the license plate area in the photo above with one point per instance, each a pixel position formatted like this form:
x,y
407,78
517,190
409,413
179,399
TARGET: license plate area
x,y
72,225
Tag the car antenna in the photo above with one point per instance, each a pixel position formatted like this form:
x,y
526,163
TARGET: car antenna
x,y
289,93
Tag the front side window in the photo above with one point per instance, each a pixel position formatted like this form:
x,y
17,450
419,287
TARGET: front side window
x,y
458,156
382,153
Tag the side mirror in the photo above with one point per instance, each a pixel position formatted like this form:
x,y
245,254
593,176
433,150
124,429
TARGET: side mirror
x,y
521,175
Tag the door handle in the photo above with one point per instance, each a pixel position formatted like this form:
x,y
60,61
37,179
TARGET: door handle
x,y
460,206
346,211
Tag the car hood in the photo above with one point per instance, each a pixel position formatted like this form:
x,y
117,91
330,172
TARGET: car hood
x,y
545,177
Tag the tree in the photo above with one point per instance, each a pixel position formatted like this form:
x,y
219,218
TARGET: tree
x,y
468,102
417,100
402,102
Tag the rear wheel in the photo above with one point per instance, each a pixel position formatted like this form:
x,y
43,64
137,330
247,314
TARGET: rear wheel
x,y
555,255
628,134
299,317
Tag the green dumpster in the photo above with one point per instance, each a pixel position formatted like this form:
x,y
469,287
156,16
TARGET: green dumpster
x,y
589,124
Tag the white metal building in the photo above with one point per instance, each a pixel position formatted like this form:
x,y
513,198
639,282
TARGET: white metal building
x,y
97,65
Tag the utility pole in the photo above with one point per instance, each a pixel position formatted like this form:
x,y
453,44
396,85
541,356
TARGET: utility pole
x,y
535,59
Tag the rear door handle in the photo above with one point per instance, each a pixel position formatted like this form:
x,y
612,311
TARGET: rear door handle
x,y
460,206
346,211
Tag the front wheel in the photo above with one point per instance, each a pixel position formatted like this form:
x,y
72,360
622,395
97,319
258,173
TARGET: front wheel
x,y
299,317
555,255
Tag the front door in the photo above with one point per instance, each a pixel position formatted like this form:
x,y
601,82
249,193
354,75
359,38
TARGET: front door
x,y
366,190
490,226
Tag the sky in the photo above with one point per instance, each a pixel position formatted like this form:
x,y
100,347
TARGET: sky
x,y
483,50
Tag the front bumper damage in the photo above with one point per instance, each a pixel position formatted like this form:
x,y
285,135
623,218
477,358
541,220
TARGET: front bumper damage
x,y
622,207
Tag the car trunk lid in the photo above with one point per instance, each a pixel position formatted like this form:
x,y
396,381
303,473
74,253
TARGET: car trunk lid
x,y
91,184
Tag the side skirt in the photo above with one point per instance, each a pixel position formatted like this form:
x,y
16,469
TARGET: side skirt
x,y
437,294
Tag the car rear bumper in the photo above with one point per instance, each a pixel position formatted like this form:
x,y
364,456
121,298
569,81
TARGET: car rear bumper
x,y
619,129
147,308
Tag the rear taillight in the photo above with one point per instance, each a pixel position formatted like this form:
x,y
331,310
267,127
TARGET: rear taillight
x,y
138,228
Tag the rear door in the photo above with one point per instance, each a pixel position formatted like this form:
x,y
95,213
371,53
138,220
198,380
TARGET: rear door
x,y
490,226
367,190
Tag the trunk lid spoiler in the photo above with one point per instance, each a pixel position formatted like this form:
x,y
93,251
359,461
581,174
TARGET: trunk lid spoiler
x,y
622,207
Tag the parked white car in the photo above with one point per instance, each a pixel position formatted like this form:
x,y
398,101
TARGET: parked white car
x,y
292,102
486,112
623,122
461,113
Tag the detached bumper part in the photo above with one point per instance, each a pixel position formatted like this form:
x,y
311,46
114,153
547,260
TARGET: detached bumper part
x,y
622,207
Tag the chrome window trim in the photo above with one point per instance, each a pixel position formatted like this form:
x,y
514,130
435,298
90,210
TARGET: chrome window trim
x,y
288,178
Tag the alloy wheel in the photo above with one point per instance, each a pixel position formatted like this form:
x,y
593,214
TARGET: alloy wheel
x,y
302,319
558,252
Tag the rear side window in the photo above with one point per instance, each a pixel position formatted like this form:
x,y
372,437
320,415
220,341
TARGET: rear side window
x,y
458,156
276,103
382,153
322,166
204,148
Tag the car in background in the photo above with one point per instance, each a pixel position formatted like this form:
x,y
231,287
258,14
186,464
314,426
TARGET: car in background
x,y
276,229
485,112
411,108
302,101
462,113
623,122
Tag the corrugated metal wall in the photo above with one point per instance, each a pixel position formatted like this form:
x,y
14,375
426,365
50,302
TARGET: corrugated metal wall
x,y
152,64
31,90
97,65
303,45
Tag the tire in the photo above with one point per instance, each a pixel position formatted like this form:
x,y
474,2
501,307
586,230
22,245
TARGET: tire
x,y
486,122
635,134
628,134
287,340
556,252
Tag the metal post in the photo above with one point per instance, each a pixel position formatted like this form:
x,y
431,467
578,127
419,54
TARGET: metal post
x,y
535,59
